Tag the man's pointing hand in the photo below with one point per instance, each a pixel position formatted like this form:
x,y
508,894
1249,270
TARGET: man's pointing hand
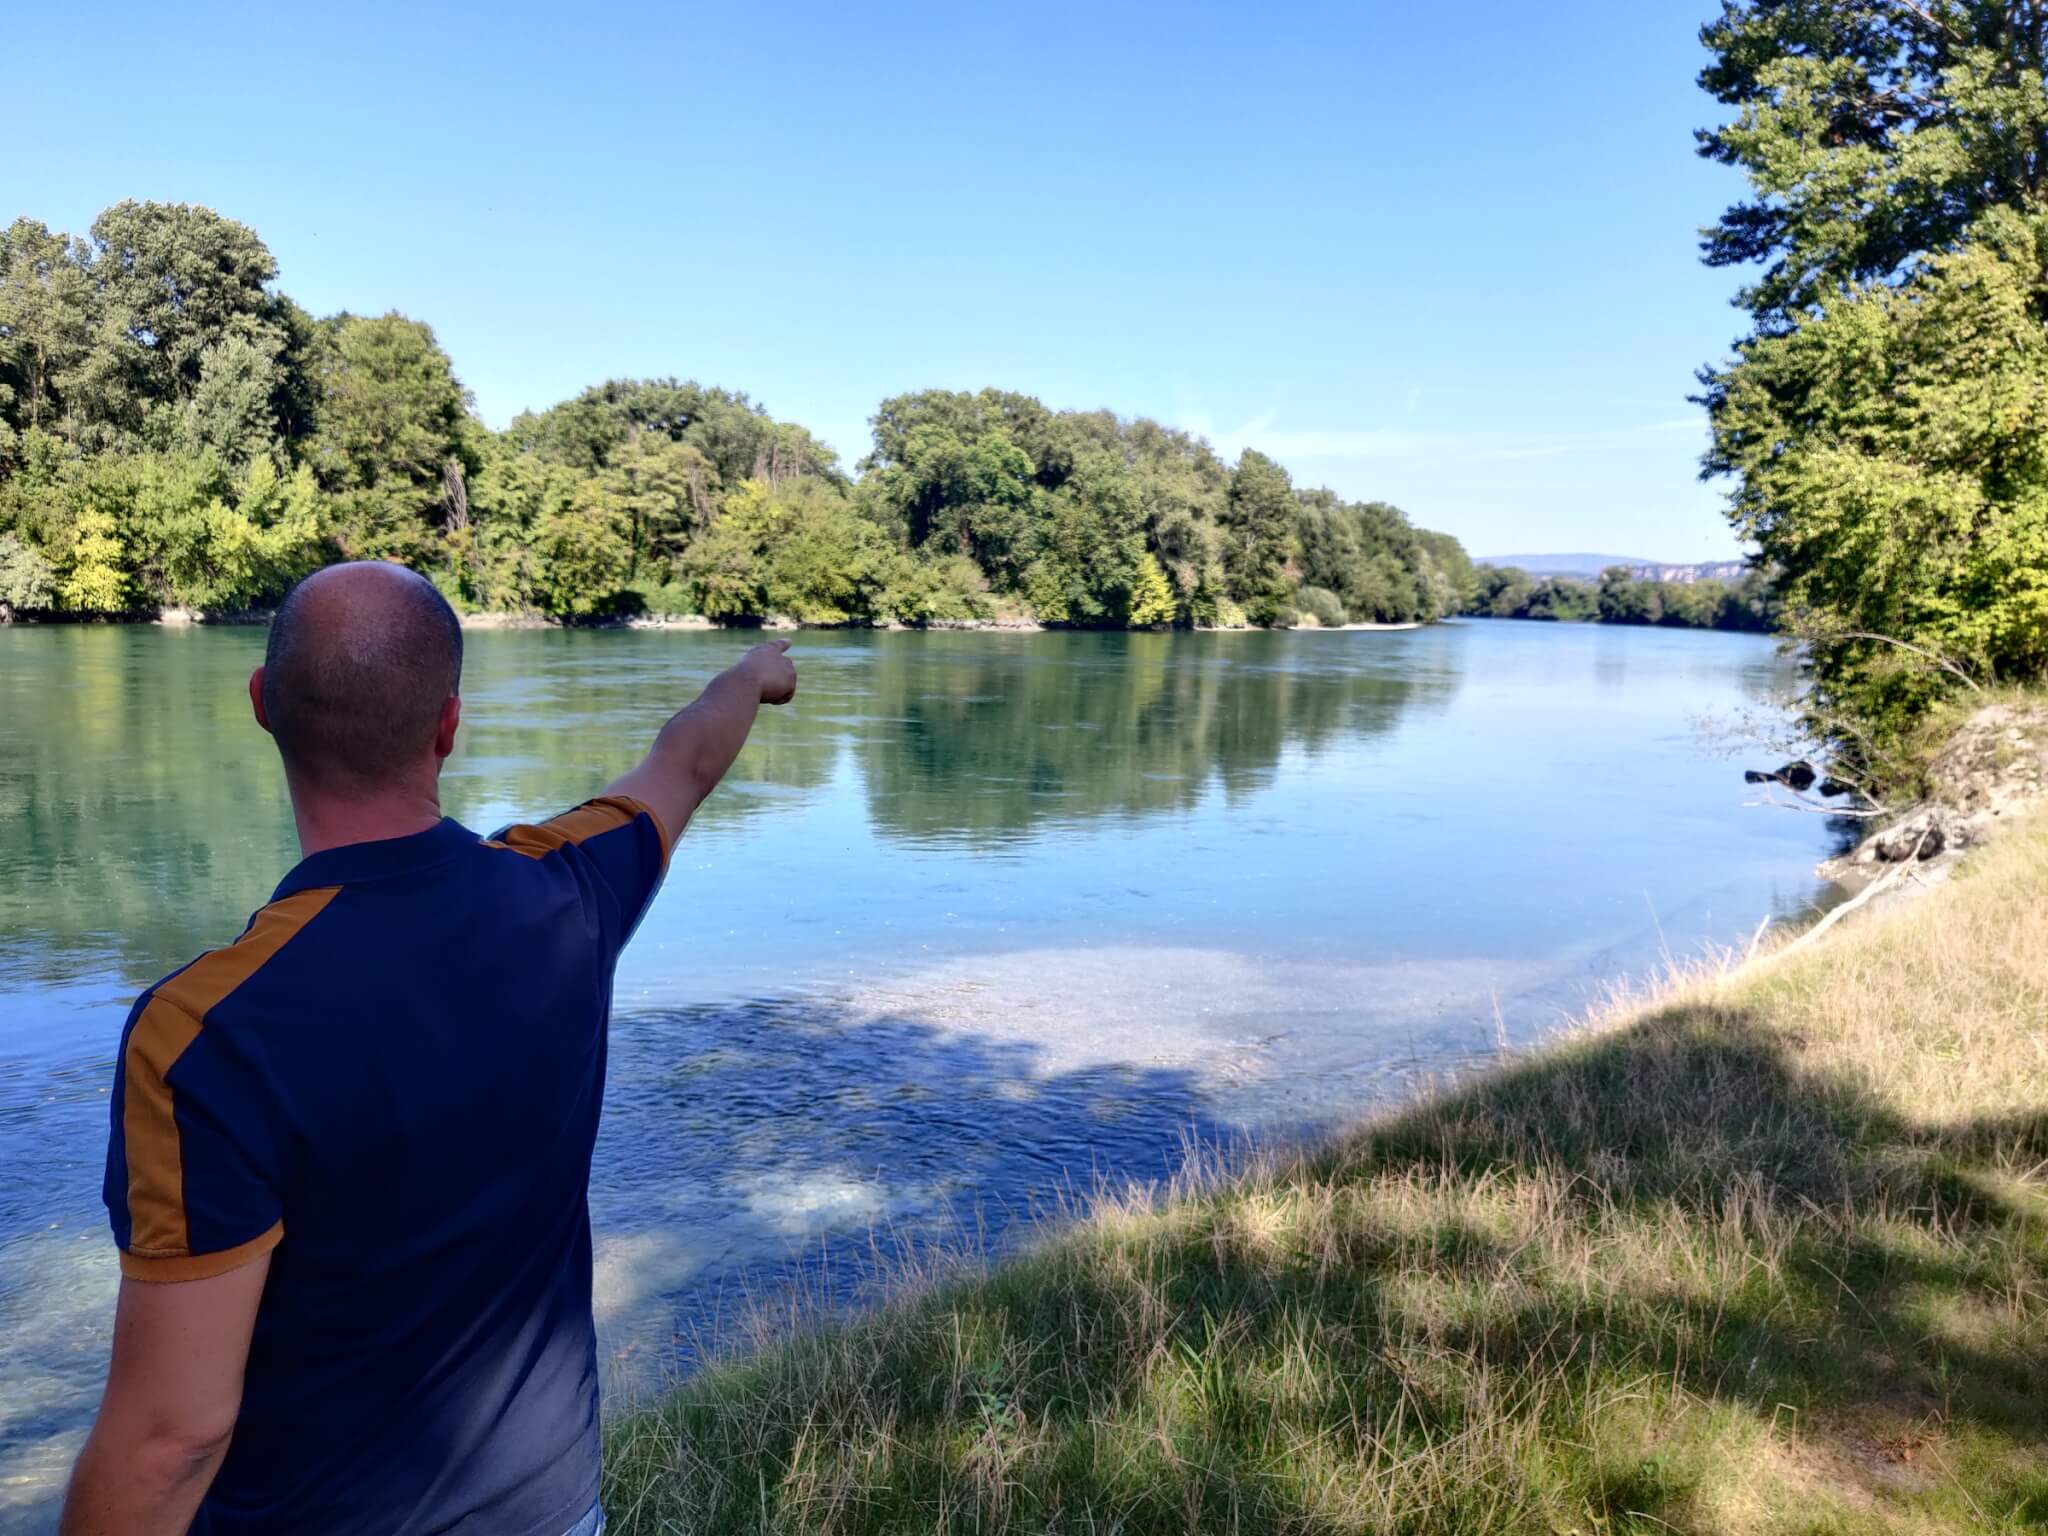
x,y
769,665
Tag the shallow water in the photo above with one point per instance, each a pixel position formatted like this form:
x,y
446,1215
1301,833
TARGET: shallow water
x,y
981,919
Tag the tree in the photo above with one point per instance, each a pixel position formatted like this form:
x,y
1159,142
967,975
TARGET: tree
x,y
1258,530
232,413
1882,422
1625,600
393,434
666,490
1890,453
173,280
1152,600
94,581
47,308
585,551
1873,132
796,549
1321,605
27,580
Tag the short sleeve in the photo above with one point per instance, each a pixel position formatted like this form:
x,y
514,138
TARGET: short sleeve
x,y
619,840
191,1187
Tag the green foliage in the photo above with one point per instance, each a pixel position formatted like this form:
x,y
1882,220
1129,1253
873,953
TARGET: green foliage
x,y
1321,605
1151,595
1378,567
1883,423
584,553
1258,527
27,580
1505,592
174,430
797,550
391,440
948,588
1889,456
95,581
1872,132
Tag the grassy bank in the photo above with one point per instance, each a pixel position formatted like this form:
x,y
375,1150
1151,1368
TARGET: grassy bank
x,y
1769,1255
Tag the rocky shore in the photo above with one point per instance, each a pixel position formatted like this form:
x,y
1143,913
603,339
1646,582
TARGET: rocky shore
x,y
1991,771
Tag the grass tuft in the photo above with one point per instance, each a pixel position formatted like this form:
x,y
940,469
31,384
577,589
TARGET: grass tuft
x,y
1767,1254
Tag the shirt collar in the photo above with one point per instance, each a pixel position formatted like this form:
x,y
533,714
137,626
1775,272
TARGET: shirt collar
x,y
353,862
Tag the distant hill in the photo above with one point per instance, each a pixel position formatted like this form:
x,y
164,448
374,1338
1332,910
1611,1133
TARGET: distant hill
x,y
1589,567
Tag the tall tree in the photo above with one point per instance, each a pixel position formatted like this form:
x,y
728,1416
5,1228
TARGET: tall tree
x,y
173,280
1882,425
1258,532
47,310
392,440
1872,132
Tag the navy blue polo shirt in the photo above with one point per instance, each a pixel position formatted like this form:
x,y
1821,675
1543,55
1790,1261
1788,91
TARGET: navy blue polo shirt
x,y
391,1083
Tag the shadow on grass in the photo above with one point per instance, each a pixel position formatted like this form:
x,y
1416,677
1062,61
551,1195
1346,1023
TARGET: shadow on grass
x,y
1623,1286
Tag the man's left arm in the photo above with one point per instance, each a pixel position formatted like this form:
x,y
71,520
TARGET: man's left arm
x,y
173,1391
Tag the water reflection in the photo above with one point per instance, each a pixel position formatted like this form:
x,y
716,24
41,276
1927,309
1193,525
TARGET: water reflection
x,y
142,815
995,741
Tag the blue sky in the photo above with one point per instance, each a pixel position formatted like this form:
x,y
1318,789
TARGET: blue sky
x,y
1442,255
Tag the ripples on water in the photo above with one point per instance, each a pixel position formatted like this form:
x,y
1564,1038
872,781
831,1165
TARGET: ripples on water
x,y
984,918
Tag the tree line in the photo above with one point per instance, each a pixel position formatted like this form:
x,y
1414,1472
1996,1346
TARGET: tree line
x,y
176,431
1749,606
1883,424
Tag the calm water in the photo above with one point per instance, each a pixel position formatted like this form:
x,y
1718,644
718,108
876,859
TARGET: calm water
x,y
981,917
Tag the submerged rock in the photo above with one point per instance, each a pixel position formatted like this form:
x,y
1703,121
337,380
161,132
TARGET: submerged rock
x,y
1796,776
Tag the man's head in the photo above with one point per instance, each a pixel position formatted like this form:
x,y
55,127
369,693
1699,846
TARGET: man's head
x,y
359,681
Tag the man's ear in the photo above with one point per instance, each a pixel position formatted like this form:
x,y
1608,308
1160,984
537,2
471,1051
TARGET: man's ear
x,y
256,698
444,731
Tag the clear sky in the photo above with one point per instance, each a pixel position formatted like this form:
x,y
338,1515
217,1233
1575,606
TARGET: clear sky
x,y
1443,255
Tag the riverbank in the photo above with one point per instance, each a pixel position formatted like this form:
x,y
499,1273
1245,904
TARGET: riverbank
x,y
1762,1254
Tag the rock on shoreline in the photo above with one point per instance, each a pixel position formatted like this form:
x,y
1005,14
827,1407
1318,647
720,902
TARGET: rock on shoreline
x,y
1993,768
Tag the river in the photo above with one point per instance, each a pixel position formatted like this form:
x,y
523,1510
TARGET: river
x,y
981,919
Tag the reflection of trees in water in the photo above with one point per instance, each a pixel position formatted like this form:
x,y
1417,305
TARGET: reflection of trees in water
x,y
549,717
142,815
997,739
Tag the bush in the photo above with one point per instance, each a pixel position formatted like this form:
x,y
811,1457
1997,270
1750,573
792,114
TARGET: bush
x,y
1321,607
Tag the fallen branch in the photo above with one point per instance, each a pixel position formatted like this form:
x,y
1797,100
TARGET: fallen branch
x,y
1817,810
1756,938
1863,897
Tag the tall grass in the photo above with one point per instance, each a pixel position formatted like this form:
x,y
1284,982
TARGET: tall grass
x,y
1767,1254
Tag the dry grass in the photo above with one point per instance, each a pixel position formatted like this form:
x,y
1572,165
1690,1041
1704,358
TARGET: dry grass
x,y
1769,1254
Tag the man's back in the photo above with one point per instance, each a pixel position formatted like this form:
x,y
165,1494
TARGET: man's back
x,y
356,1142
393,1080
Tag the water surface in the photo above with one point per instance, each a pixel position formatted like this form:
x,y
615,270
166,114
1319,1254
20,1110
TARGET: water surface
x,y
981,918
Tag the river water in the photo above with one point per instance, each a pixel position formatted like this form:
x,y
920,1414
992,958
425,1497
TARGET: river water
x,y
981,919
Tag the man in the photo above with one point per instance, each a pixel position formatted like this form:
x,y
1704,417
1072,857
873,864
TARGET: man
x,y
350,1153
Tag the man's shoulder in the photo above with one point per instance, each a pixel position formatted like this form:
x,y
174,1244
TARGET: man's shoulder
x,y
199,987
590,820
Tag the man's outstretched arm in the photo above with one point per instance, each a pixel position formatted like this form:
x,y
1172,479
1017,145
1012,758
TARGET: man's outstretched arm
x,y
173,1391
699,744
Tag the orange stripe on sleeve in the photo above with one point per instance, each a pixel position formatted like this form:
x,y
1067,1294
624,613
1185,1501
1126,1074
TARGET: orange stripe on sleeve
x,y
200,1266
168,1026
605,814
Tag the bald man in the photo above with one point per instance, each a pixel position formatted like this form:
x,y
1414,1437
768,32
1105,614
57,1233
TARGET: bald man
x,y
349,1161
